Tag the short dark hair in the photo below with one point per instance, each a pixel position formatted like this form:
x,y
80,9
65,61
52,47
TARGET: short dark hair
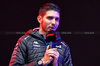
x,y
47,7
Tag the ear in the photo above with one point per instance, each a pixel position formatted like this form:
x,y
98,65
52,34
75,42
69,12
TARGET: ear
x,y
39,18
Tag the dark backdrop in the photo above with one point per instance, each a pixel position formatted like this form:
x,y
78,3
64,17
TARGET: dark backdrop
x,y
79,27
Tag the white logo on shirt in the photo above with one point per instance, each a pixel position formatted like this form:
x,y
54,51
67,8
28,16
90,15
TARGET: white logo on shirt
x,y
26,37
36,45
58,46
35,42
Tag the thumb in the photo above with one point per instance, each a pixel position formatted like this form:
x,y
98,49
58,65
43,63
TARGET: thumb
x,y
48,47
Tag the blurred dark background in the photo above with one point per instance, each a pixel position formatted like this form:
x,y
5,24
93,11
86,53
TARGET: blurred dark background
x,y
79,27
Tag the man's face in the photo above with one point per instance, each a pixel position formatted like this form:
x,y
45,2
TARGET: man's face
x,y
50,20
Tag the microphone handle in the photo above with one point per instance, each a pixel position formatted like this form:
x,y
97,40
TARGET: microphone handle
x,y
51,44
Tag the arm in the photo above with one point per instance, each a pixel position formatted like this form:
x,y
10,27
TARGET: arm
x,y
67,59
19,55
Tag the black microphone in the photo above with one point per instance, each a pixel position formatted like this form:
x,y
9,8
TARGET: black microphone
x,y
51,37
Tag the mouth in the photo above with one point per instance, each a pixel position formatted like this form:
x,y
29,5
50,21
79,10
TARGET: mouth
x,y
52,28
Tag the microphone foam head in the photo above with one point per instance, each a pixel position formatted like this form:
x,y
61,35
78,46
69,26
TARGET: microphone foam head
x,y
50,36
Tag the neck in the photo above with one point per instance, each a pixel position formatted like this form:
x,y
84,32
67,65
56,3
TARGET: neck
x,y
43,33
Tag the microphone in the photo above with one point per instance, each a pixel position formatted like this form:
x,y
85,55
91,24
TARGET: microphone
x,y
51,37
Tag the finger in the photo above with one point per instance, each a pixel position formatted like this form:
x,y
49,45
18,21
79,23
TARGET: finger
x,y
51,58
52,52
53,55
48,47
53,49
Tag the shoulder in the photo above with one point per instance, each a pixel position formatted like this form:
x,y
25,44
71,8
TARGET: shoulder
x,y
24,38
61,44
64,44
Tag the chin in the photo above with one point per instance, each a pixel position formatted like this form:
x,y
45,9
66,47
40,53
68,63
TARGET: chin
x,y
52,29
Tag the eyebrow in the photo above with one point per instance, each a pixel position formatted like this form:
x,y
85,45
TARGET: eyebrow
x,y
52,17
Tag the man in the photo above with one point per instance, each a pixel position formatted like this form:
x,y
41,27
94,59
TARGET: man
x,y
32,48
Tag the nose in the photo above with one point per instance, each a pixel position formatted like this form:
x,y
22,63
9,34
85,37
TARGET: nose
x,y
53,21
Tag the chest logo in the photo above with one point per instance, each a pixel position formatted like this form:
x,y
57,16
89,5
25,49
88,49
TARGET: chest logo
x,y
58,46
35,42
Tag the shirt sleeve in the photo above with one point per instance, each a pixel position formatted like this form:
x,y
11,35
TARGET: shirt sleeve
x,y
67,59
19,55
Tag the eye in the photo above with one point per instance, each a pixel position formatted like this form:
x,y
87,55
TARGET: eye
x,y
57,19
50,18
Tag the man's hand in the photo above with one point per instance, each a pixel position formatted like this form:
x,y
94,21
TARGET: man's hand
x,y
55,54
50,55
47,59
